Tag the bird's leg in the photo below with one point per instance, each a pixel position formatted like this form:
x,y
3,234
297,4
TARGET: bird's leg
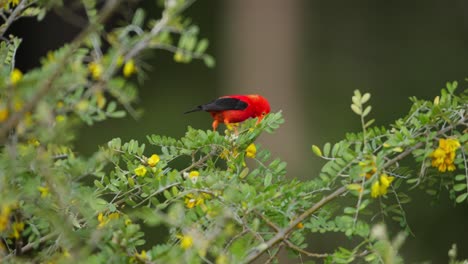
x,y
215,124
231,126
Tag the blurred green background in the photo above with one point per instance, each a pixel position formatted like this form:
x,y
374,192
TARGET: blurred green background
x,y
307,57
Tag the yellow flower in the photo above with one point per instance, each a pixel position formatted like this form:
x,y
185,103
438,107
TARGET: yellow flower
x,y
251,151
192,201
34,142
300,225
103,219
179,57
186,241
369,164
142,256
14,2
17,104
82,106
193,176
375,189
60,118
140,171
4,112
444,156
114,216
221,259
100,100
153,160
4,217
129,68
18,227
95,69
44,191
66,253
15,76
380,187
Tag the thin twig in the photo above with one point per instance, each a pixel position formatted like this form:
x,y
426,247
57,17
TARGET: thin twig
x,y
201,161
290,244
274,256
157,28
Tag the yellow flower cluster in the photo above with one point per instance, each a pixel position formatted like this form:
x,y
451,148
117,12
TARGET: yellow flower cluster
x,y
104,219
4,217
226,154
251,151
192,200
368,166
380,187
444,156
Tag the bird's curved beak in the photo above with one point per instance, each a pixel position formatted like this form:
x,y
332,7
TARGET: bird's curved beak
x,y
260,118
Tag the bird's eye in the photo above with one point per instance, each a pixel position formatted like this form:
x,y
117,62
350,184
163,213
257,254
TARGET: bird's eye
x,y
263,114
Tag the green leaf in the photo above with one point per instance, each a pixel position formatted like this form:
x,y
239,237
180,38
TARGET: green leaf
x,y
356,109
365,98
316,150
98,184
209,61
353,186
367,110
350,210
111,107
244,173
459,187
139,17
117,114
370,122
461,198
326,149
460,177
267,180
202,46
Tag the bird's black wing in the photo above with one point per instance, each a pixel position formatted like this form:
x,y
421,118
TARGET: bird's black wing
x,y
221,104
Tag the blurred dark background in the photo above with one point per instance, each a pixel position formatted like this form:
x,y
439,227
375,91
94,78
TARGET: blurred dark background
x,y
306,57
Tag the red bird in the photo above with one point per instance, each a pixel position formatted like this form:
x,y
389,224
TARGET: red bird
x,y
235,108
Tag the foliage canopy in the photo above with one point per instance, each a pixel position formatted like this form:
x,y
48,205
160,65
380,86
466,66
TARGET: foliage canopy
x,y
231,202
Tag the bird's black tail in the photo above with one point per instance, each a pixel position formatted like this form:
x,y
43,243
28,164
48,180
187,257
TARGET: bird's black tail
x,y
198,108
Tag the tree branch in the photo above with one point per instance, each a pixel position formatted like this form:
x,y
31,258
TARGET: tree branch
x,y
12,17
46,86
285,232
